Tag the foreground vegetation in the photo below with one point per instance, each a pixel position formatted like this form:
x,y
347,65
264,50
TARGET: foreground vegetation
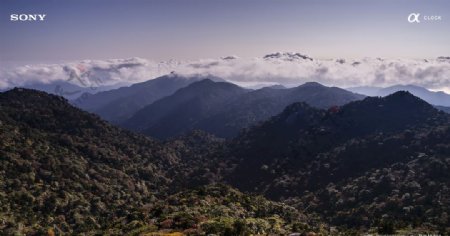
x,y
305,171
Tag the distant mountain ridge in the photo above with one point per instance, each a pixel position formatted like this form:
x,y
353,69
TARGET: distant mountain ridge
x,y
259,105
435,98
64,88
181,111
287,56
444,109
119,104
230,110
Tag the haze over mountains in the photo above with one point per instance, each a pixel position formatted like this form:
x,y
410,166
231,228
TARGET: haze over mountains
x,y
436,98
286,68
224,116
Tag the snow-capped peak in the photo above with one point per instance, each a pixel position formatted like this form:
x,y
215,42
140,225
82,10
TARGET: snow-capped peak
x,y
287,56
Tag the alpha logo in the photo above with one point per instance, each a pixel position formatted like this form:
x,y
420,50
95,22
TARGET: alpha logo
x,y
27,17
414,18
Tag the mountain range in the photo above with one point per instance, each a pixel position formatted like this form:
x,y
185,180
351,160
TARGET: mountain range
x,y
182,111
223,109
377,164
286,68
119,104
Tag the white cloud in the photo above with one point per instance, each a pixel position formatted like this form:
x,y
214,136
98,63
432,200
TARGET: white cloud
x,y
86,73
432,74
281,68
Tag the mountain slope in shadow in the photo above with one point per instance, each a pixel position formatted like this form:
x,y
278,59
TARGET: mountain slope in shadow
x,y
119,104
315,157
223,111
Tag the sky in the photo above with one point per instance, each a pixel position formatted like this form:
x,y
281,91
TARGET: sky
x,y
193,29
122,42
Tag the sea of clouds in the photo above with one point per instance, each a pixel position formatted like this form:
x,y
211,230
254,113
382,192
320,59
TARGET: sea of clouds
x,y
289,69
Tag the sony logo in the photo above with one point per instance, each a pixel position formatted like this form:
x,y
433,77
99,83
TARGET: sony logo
x,y
27,17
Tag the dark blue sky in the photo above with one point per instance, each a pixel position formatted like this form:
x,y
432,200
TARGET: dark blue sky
x,y
190,29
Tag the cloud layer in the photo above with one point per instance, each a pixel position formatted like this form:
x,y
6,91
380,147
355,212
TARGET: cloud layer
x,y
288,69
